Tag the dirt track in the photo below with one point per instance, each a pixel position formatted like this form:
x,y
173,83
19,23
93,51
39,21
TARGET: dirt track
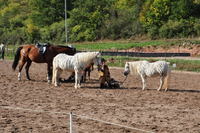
x,y
177,110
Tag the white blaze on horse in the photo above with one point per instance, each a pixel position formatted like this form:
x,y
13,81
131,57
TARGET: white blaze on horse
x,y
76,63
146,69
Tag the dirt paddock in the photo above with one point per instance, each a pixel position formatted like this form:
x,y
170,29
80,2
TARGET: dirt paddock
x,y
177,110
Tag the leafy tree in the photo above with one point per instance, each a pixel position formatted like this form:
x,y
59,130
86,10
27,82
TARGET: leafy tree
x,y
86,19
155,12
28,20
181,9
46,12
123,19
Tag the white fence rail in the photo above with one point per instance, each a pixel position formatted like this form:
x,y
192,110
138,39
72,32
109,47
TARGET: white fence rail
x,y
71,115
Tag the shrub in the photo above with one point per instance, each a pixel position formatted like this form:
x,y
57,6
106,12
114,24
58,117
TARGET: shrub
x,y
197,27
173,28
153,32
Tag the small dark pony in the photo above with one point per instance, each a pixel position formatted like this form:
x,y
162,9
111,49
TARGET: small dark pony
x,y
87,71
31,53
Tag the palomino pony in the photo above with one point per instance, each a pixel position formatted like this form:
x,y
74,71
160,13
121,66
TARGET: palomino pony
x,y
28,53
76,63
146,69
2,51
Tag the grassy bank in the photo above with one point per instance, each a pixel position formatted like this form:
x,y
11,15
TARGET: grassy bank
x,y
118,45
99,46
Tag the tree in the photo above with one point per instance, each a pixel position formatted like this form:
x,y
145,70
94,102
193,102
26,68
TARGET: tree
x,y
86,18
181,9
46,12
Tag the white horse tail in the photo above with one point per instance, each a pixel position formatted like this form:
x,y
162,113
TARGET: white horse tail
x,y
54,72
53,76
166,80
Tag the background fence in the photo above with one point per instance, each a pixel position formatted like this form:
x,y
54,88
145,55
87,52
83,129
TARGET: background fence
x,y
141,54
10,52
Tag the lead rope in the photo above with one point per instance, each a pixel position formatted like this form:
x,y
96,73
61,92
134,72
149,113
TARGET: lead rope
x,y
124,80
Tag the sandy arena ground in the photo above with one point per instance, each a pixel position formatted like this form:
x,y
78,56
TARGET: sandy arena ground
x,y
174,111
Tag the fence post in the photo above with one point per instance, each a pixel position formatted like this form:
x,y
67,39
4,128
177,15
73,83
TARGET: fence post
x,y
70,122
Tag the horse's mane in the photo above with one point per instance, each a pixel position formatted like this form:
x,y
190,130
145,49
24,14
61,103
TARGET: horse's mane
x,y
85,56
135,66
62,46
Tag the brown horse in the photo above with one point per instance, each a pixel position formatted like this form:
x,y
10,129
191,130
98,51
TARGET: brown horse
x,y
28,53
87,70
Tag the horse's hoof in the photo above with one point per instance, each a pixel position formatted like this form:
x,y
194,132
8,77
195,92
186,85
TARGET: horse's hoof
x,y
49,81
56,85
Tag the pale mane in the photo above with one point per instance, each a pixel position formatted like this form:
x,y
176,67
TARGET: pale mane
x,y
85,57
136,66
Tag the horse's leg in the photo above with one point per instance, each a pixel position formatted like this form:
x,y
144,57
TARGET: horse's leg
x,y
3,52
80,74
49,73
0,54
28,64
161,82
56,77
166,81
76,79
143,81
21,64
89,74
53,76
84,75
58,74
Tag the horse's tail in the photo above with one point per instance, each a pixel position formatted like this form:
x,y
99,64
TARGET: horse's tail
x,y
166,80
54,72
16,59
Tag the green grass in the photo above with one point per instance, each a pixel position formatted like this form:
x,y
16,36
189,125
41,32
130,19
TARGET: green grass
x,y
117,45
99,46
181,64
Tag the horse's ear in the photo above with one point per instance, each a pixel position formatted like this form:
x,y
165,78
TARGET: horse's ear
x,y
127,63
99,53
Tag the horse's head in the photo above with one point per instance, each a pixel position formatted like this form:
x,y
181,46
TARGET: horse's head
x,y
127,68
97,60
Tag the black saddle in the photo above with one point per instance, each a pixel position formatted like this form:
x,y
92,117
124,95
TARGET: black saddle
x,y
42,47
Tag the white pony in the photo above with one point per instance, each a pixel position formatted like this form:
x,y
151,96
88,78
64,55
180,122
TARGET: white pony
x,y
146,69
76,63
2,51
